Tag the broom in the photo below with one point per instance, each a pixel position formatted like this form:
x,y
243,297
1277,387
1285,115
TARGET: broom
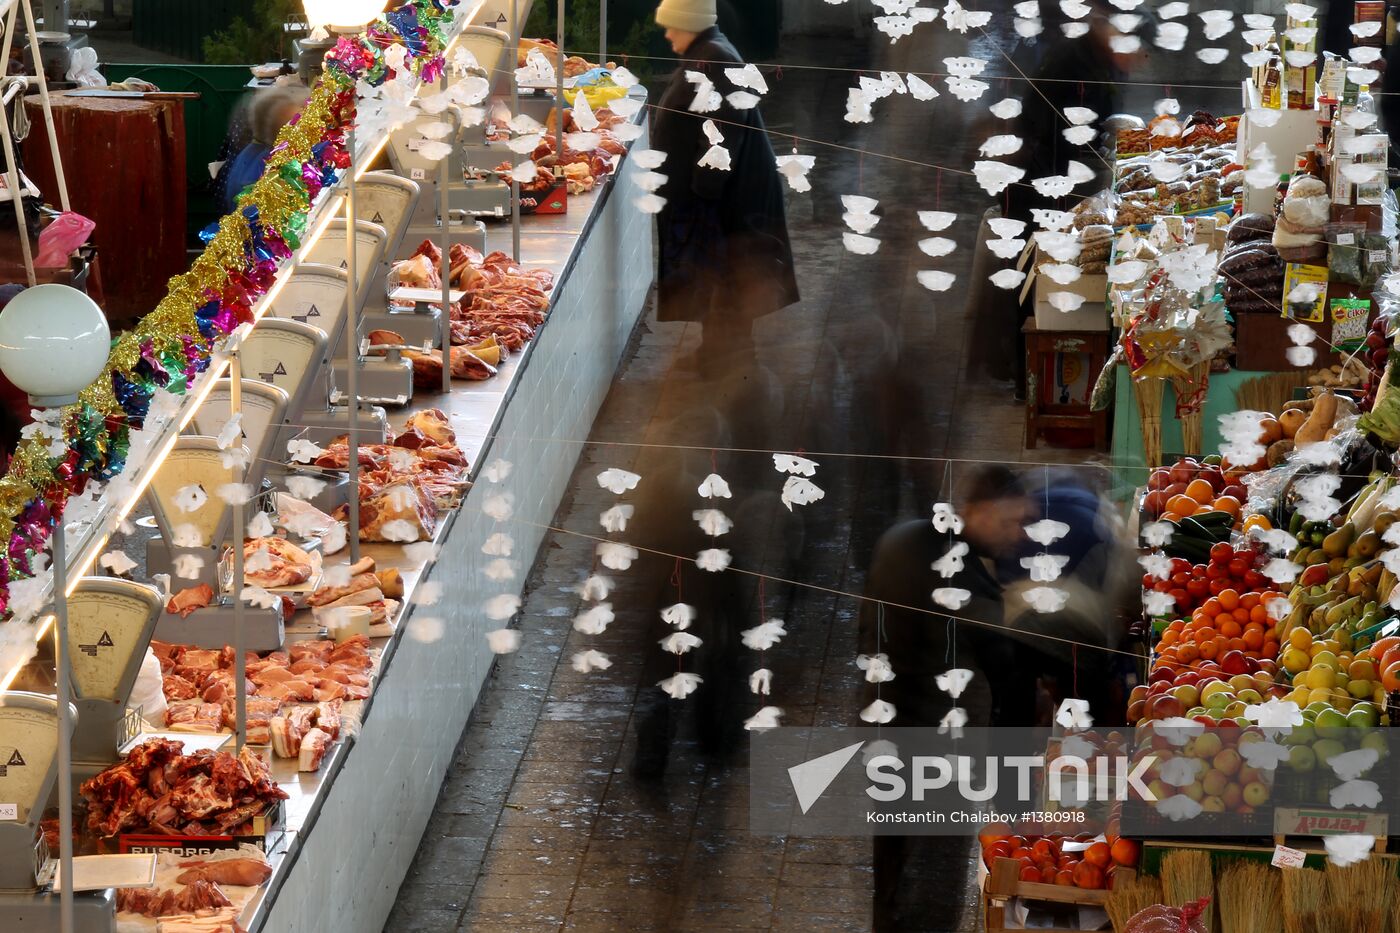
x,y
1126,899
1305,908
1360,895
1148,393
1249,899
1186,877
1192,428
1266,393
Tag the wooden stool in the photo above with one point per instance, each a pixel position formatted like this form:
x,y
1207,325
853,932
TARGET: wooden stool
x,y
1061,368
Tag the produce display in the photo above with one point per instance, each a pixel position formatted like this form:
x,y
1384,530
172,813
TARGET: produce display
x,y
1082,861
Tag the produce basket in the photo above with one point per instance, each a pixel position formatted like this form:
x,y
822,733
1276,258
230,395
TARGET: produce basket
x,y
1002,884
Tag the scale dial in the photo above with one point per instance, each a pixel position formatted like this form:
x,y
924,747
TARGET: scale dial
x,y
105,631
28,749
195,460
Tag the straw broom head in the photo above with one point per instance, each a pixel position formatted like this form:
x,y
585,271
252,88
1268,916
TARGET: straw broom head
x,y
1360,895
1127,898
1249,899
1304,901
1186,877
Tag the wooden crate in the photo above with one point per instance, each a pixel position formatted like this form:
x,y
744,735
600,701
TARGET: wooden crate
x,y
1003,883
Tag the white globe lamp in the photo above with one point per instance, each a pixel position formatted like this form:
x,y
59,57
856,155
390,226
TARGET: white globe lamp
x,y
342,15
54,341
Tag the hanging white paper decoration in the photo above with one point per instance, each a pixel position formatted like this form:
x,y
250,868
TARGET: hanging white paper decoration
x,y
587,661
679,642
616,556
678,616
765,718
260,526
920,89
1007,278
761,682
994,177
712,521
1006,249
715,487
764,635
117,562
936,281
594,620
951,563
791,463
860,245
504,640
951,598
880,712
800,491
680,686
596,587
954,681
877,668
615,518
1003,145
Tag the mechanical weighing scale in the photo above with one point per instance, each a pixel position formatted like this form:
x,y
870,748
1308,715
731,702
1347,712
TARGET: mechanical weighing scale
x,y
475,190
386,379
386,199
292,356
110,623
198,460
28,775
315,295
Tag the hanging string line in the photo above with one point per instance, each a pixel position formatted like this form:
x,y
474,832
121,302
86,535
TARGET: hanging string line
x,y
874,72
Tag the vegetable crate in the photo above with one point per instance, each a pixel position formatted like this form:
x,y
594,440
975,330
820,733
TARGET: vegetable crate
x,y
1003,883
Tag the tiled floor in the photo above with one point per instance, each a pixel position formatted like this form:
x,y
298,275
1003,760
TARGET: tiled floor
x,y
541,824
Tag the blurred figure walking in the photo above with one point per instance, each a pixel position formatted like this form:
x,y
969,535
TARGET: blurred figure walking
x,y
725,255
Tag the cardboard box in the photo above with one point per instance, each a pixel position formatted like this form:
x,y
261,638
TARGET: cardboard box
x,y
1091,315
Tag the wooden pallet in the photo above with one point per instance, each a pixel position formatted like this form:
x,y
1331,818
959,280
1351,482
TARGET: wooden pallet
x,y
1004,882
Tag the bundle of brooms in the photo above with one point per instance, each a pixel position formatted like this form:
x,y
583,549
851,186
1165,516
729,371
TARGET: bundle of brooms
x,y
1248,898
1360,897
1306,907
1129,897
1187,876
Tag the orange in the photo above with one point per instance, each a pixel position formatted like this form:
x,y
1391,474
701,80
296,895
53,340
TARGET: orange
x,y
1256,521
1250,600
1229,627
1200,490
1125,852
1254,636
1168,638
1184,505
1172,517
1236,644
1227,504
1209,651
1188,653
1241,614
1229,599
1259,615
1390,677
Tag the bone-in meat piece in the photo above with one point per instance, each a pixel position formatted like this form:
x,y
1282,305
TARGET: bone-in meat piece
x,y
190,599
290,564
330,594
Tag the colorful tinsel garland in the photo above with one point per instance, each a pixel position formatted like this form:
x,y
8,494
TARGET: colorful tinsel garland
x,y
173,344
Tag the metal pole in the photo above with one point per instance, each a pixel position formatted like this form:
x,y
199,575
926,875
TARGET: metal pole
x,y
559,99
444,221
44,99
514,109
352,351
65,727
602,32
240,663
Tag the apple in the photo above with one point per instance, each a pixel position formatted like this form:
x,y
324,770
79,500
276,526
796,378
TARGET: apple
x,y
1160,478
1227,761
1249,695
1206,745
1136,710
1139,692
1166,706
1248,775
1209,690
1330,724
1184,470
1214,783
1234,662
1235,710
1233,795
1256,794
1213,804
1327,749
1189,677
1241,682
1194,790
1188,694
1219,700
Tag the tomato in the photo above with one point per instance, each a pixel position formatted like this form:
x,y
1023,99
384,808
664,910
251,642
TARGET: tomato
x,y
1221,552
1161,586
1180,596
1238,568
1180,579
1219,585
1181,565
1198,588
1216,571
1255,580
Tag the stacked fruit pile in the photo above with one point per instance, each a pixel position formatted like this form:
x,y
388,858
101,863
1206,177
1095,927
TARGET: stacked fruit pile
x,y
1224,781
1224,568
1082,861
1194,489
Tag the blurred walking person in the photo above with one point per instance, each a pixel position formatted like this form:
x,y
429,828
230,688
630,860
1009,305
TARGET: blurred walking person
x,y
725,256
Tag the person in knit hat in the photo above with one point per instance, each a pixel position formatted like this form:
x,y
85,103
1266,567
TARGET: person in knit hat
x,y
725,257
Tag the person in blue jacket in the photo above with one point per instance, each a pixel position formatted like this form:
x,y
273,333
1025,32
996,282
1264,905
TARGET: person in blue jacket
x,y
269,111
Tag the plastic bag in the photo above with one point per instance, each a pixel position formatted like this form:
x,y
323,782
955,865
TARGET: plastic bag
x,y
1344,251
147,694
67,232
82,68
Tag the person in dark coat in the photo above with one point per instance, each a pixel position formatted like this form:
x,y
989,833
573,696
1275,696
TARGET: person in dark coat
x,y
898,619
725,256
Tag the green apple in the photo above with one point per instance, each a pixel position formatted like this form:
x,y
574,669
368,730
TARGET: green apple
x,y
1213,688
1235,710
1363,717
1219,699
1375,740
1242,682
1331,724
1250,695
1255,794
1301,758
1360,689
1317,707
1188,694
1325,749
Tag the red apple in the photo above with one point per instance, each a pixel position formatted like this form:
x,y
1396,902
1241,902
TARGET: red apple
x,y
1165,706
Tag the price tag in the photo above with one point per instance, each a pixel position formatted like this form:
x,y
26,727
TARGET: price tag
x,y
414,144
9,812
1284,857
417,174
1376,256
1346,239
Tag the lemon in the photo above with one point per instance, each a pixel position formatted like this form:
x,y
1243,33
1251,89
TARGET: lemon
x,y
1295,661
1321,695
1320,678
1300,638
1326,659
